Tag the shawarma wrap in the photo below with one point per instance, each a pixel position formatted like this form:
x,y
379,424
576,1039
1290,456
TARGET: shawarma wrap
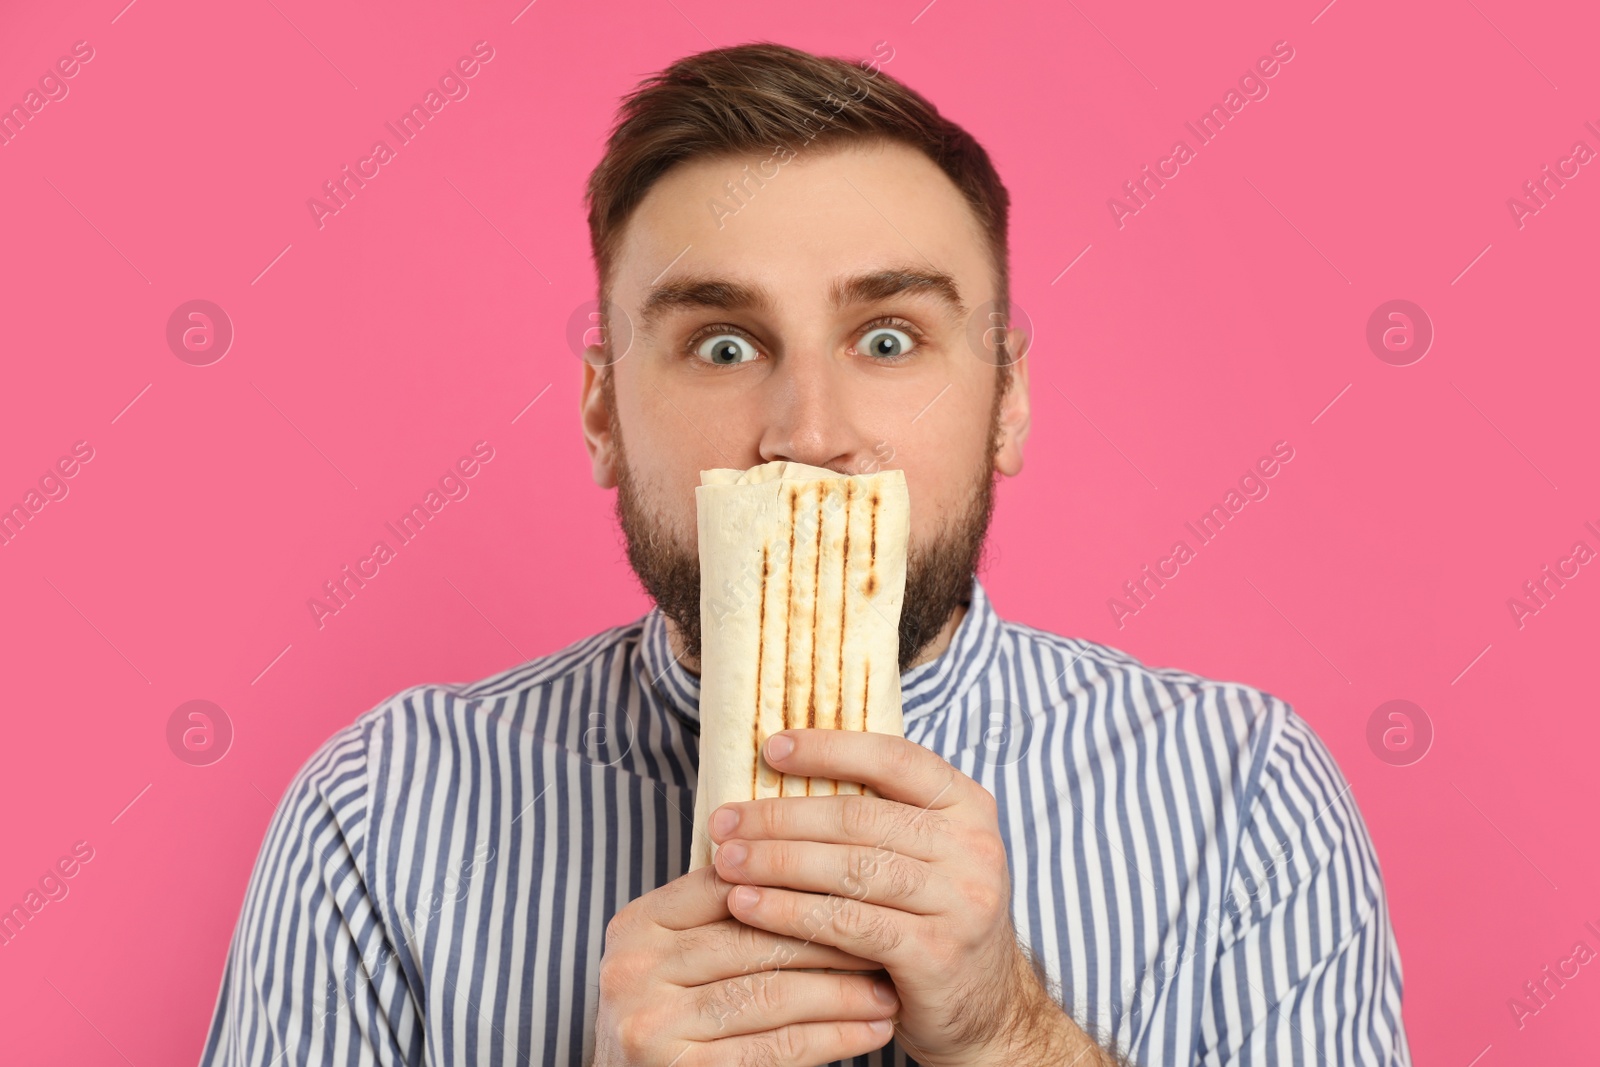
x,y
802,575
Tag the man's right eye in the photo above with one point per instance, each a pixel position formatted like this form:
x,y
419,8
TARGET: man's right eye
x,y
726,349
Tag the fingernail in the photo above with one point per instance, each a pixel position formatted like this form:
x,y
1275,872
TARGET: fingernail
x,y
884,991
779,747
723,822
744,896
735,852
880,1027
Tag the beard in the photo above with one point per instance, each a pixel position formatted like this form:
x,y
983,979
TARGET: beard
x,y
938,574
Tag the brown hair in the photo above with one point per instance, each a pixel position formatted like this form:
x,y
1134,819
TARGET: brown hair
x,y
766,97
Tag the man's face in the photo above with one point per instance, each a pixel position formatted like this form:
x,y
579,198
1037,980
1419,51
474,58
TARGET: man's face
x,y
828,321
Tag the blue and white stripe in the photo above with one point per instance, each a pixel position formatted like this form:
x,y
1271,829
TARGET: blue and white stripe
x,y
1187,862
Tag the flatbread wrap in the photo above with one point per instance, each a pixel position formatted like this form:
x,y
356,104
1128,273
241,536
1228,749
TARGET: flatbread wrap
x,y
802,576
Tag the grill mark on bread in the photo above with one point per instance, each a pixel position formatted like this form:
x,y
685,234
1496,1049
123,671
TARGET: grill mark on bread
x,y
866,687
872,587
872,565
844,597
761,646
844,616
788,619
816,604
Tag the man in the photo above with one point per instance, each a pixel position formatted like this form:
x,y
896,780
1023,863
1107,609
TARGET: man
x,y
1074,858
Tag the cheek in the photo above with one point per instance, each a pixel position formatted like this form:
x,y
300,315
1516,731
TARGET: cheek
x,y
664,457
943,476
947,440
673,420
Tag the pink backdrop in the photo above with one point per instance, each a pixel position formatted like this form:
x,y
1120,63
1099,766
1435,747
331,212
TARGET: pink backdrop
x,y
208,503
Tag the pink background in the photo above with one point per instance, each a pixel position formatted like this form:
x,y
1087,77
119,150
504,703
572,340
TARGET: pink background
x,y
1223,317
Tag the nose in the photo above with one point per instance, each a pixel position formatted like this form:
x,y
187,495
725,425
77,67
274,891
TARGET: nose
x,y
810,417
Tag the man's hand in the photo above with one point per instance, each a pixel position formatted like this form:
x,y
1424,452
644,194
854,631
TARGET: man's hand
x,y
915,879
684,983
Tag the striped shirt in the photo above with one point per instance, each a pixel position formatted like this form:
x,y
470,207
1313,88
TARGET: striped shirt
x,y
1187,863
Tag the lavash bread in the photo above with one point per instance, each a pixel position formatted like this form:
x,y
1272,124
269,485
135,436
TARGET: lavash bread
x,y
802,575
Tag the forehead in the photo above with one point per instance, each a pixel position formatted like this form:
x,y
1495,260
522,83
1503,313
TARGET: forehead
x,y
794,226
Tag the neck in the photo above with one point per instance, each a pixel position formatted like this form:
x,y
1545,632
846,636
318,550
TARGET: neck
x,y
932,651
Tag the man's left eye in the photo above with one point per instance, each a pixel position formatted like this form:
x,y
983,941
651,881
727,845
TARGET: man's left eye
x,y
726,349
885,342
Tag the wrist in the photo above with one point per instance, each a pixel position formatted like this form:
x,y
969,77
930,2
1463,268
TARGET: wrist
x,y
1035,1031
1042,1032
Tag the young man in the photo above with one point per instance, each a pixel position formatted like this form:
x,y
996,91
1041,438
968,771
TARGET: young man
x,y
1074,859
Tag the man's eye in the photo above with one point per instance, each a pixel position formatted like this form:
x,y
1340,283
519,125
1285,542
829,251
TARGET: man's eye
x,y
885,342
726,348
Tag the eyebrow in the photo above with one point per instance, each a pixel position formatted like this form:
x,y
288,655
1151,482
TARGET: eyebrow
x,y
729,295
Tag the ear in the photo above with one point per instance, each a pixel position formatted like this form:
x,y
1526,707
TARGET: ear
x,y
594,406
1014,409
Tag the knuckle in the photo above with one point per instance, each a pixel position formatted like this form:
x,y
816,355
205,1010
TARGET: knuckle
x,y
692,939
987,803
631,1038
905,878
713,937
617,927
855,817
711,1002
860,869
774,819
985,849
867,926
854,993
922,828
610,980
981,897
762,1053
848,1034
778,857
745,943
902,758
770,998
864,873
947,951
788,1046
985,808
618,977
908,822
724,1000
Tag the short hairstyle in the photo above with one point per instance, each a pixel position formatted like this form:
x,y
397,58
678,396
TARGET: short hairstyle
x,y
763,97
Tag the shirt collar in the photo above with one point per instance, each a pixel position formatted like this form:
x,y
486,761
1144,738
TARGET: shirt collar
x,y
939,683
